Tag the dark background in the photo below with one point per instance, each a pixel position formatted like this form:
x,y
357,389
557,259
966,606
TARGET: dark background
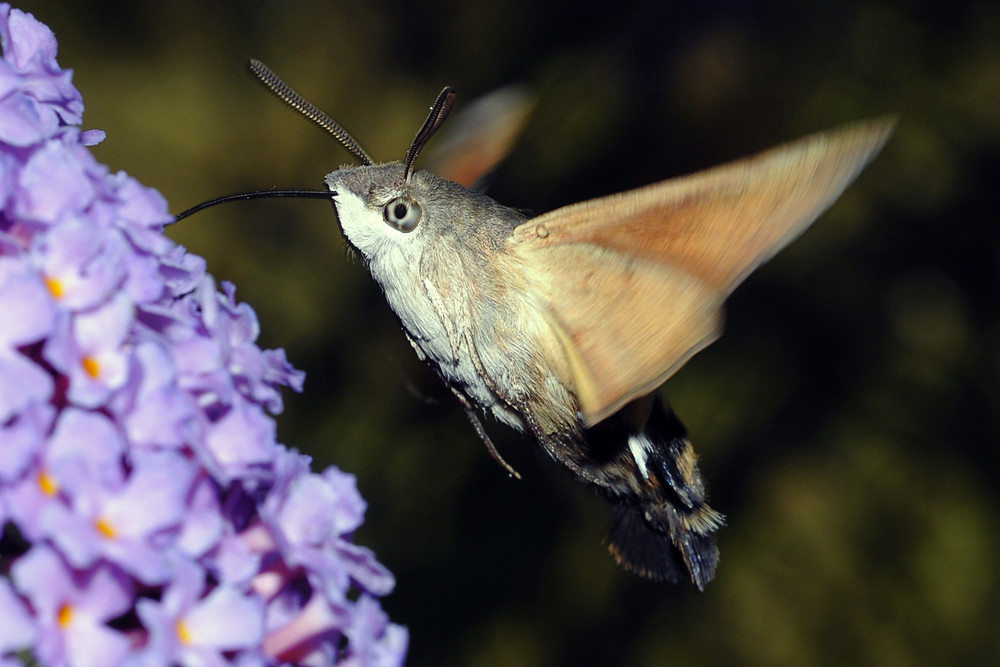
x,y
847,421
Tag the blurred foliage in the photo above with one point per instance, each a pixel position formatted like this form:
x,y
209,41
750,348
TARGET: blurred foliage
x,y
847,421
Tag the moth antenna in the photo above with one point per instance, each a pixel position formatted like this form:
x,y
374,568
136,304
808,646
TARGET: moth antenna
x,y
258,194
440,111
308,109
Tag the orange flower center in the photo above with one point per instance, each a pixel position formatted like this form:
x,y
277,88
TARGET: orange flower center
x,y
48,483
55,287
183,633
65,616
92,366
105,528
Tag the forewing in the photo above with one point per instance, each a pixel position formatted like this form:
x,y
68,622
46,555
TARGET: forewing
x,y
479,137
633,283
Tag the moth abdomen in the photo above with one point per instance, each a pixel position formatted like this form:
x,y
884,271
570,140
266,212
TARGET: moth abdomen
x,y
661,522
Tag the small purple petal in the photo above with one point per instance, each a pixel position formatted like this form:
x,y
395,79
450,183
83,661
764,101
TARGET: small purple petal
x,y
53,184
92,137
28,311
225,620
29,44
372,639
17,628
203,523
142,207
22,383
155,496
90,438
162,414
242,439
364,569
349,511
23,121
107,326
22,440
233,562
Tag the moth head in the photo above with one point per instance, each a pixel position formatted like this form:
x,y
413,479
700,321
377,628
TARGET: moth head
x,y
385,209
376,204
390,211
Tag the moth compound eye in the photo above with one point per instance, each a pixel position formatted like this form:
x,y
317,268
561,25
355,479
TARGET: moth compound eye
x,y
403,214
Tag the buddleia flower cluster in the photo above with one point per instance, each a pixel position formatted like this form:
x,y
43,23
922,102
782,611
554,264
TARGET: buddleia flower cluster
x,y
149,515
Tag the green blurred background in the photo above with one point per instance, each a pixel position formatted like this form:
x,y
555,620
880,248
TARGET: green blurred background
x,y
847,421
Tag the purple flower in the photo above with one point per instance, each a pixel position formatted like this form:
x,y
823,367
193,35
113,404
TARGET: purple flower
x,y
125,525
80,268
191,628
88,348
153,518
72,608
298,517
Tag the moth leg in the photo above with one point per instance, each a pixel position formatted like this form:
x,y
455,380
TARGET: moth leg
x,y
477,425
560,446
563,446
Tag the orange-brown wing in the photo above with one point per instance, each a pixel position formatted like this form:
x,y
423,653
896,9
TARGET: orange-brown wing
x,y
479,137
633,283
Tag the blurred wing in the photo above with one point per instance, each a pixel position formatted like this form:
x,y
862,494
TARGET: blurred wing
x,y
479,137
633,283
